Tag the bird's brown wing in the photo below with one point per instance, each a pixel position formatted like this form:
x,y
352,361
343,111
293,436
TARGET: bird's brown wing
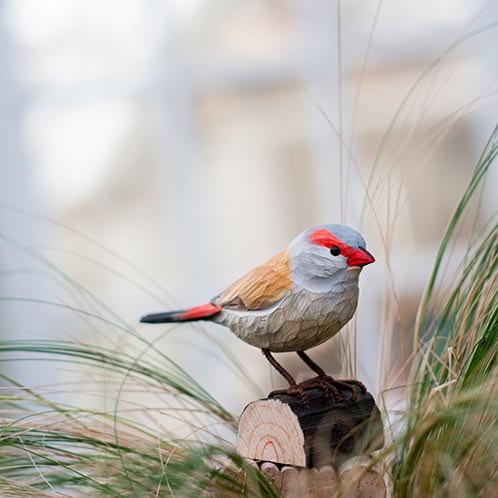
x,y
260,288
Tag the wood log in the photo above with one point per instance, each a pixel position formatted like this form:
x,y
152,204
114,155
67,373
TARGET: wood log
x,y
356,478
283,430
302,483
359,479
273,474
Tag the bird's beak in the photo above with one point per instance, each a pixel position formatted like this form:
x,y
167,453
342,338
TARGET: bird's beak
x,y
361,257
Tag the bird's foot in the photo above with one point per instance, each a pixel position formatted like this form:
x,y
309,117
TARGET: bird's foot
x,y
328,385
323,383
353,382
331,386
293,390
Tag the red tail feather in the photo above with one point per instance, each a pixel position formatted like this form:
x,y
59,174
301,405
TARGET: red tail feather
x,y
199,312
202,312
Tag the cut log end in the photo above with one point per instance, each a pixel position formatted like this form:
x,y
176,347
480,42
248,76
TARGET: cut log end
x,y
270,431
284,431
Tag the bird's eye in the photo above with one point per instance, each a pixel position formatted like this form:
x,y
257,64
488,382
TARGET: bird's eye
x,y
335,251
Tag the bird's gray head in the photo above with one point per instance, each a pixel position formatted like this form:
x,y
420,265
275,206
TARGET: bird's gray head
x,y
325,254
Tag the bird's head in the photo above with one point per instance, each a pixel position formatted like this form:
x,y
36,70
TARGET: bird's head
x,y
328,251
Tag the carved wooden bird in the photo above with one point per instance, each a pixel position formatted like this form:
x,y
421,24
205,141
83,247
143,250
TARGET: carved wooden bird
x,y
298,299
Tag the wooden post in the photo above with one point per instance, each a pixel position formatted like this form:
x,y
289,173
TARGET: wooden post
x,y
283,430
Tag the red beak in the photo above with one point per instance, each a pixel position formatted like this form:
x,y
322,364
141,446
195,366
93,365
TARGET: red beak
x,y
361,257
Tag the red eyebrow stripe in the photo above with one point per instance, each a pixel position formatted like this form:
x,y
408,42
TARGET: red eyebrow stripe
x,y
322,237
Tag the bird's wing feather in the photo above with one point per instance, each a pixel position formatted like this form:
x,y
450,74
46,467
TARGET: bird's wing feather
x,y
260,288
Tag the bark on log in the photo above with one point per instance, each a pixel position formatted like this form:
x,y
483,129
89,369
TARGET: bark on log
x,y
284,431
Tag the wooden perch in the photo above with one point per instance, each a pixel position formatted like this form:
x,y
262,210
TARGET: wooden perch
x,y
282,430
359,480
356,478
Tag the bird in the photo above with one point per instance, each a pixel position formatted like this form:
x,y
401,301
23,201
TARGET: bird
x,y
300,298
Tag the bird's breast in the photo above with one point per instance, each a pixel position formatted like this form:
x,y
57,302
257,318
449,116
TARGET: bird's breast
x,y
299,321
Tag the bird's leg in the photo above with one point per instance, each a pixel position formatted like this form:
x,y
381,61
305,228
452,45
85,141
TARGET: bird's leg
x,y
323,381
293,387
328,383
311,364
281,370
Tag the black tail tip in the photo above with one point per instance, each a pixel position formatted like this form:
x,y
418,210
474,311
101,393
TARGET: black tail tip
x,y
158,318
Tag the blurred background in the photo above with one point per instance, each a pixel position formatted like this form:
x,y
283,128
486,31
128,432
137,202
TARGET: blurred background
x,y
151,152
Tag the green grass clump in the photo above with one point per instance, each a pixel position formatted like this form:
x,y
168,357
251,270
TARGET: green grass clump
x,y
449,446
49,449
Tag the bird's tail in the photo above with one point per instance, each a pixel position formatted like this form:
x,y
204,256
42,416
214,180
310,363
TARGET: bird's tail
x,y
202,312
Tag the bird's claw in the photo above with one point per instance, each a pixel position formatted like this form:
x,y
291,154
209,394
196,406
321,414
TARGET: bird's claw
x,y
324,383
354,382
296,390
328,385
331,386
